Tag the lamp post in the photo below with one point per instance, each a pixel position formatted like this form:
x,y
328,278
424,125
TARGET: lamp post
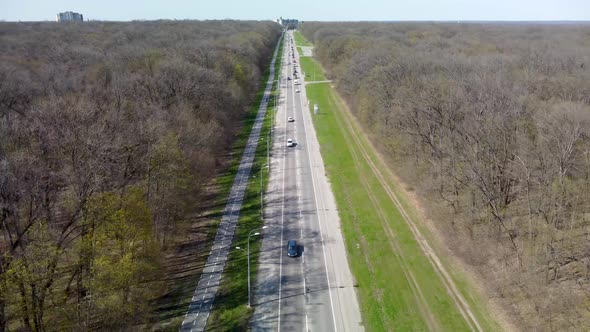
x,y
261,198
268,149
261,192
252,233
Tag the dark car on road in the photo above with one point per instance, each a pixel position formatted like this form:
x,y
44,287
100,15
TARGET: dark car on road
x,y
292,248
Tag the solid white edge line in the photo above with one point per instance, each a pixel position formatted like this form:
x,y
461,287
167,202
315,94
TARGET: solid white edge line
x,y
282,223
318,212
299,182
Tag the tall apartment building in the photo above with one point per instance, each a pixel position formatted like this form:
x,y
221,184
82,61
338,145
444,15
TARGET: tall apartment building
x,y
288,23
69,16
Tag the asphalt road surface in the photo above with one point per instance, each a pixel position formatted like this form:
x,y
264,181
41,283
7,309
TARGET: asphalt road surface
x,y
314,291
202,300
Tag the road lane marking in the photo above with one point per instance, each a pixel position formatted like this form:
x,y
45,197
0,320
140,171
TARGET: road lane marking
x,y
301,225
318,214
282,223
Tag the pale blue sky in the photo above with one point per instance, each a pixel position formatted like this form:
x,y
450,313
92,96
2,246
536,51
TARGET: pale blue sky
x,y
307,10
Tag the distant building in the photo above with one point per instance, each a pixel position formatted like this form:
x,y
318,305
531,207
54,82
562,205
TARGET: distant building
x,y
288,23
69,16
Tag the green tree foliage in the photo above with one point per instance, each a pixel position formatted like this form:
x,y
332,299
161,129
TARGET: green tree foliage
x,y
125,255
32,275
239,75
109,133
169,184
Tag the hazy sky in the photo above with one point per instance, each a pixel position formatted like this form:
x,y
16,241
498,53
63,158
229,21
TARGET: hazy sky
x,y
307,10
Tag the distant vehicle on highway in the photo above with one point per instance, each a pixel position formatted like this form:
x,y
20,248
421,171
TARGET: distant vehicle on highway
x,y
296,82
297,91
292,248
290,142
290,119
289,78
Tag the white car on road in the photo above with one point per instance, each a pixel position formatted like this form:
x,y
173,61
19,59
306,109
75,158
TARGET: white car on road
x,y
290,142
290,119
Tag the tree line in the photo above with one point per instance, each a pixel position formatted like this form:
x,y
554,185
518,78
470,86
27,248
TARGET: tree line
x,y
491,124
108,134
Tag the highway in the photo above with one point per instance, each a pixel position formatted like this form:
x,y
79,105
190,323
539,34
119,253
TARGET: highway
x,y
314,291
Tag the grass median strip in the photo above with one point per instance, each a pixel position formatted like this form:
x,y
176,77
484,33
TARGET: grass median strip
x,y
399,289
230,311
300,39
313,71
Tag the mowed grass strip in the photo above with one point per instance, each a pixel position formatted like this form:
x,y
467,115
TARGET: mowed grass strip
x,y
300,39
328,97
312,69
388,299
230,311
478,307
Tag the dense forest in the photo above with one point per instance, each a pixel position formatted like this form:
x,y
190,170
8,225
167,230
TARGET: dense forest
x,y
490,125
108,134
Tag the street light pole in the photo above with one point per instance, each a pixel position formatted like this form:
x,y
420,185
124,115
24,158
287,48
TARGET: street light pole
x,y
249,236
276,101
261,197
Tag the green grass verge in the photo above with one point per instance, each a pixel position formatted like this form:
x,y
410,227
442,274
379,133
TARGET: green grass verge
x,y
171,313
312,69
381,265
300,39
464,285
230,311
